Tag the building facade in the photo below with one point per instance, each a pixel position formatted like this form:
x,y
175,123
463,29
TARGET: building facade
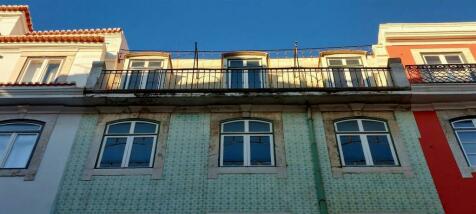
x,y
87,126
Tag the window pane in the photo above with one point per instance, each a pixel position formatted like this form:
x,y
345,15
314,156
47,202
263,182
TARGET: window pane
x,y
119,128
19,127
453,59
335,62
346,126
256,126
252,63
432,60
113,152
233,151
260,151
464,124
352,150
32,69
469,148
380,150
467,136
50,73
4,139
353,62
141,152
142,128
21,151
155,64
137,64
472,160
370,125
238,126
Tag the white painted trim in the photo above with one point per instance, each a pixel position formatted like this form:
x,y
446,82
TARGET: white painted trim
x,y
465,53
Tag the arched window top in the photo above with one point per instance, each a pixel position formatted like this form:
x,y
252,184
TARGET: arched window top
x,y
132,127
467,123
361,125
20,126
246,126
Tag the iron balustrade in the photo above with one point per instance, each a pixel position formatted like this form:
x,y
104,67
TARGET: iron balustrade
x,y
442,73
244,79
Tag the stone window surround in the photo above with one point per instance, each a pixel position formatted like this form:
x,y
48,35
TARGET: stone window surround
x,y
49,121
214,147
446,117
162,119
338,170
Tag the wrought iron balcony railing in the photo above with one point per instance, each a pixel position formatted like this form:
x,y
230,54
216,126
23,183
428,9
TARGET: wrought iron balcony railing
x,y
243,80
442,73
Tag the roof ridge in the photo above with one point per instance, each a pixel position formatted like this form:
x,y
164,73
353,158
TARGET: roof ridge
x,y
76,31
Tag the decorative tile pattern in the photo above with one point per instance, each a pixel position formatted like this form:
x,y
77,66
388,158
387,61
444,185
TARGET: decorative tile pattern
x,y
184,187
382,192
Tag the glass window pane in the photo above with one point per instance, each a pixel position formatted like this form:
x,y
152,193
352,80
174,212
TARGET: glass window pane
x,y
467,136
252,63
155,64
141,152
113,152
353,62
137,64
142,128
380,150
4,140
453,59
472,160
236,63
347,126
21,151
370,125
335,62
464,124
352,150
432,60
256,126
469,148
51,71
32,70
119,128
260,150
19,127
233,151
238,126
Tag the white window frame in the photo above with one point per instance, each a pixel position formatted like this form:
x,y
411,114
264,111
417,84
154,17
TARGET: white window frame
x,y
346,67
364,142
245,83
11,142
144,71
441,56
44,65
469,129
246,142
129,143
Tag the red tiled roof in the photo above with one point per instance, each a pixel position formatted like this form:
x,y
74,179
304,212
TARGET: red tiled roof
x,y
67,39
25,84
22,8
76,31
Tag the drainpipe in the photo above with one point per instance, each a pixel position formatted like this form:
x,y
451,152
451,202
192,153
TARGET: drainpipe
x,y
316,165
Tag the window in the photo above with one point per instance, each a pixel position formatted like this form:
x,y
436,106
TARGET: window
x,y
465,131
128,144
346,72
443,58
245,73
246,143
146,74
44,70
365,142
17,142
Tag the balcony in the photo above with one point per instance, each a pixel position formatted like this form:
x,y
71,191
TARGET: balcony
x,y
211,80
442,73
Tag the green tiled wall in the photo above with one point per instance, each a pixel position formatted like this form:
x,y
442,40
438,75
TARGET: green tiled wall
x,y
184,187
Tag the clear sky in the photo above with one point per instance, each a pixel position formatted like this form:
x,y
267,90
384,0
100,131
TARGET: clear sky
x,y
243,24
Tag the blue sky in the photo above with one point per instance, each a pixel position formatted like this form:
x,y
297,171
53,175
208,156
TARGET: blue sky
x,y
243,24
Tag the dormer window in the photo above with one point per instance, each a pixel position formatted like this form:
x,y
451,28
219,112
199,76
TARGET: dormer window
x,y
245,70
146,74
346,72
42,70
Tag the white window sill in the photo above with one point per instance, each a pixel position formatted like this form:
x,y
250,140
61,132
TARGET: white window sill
x,y
339,172
121,172
280,171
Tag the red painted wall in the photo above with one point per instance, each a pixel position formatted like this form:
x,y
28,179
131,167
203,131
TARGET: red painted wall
x,y
457,194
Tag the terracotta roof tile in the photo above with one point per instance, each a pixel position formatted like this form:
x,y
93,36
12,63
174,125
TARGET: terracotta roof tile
x,y
61,39
21,8
76,31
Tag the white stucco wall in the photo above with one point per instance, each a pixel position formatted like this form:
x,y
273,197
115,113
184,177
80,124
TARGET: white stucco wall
x,y
25,197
